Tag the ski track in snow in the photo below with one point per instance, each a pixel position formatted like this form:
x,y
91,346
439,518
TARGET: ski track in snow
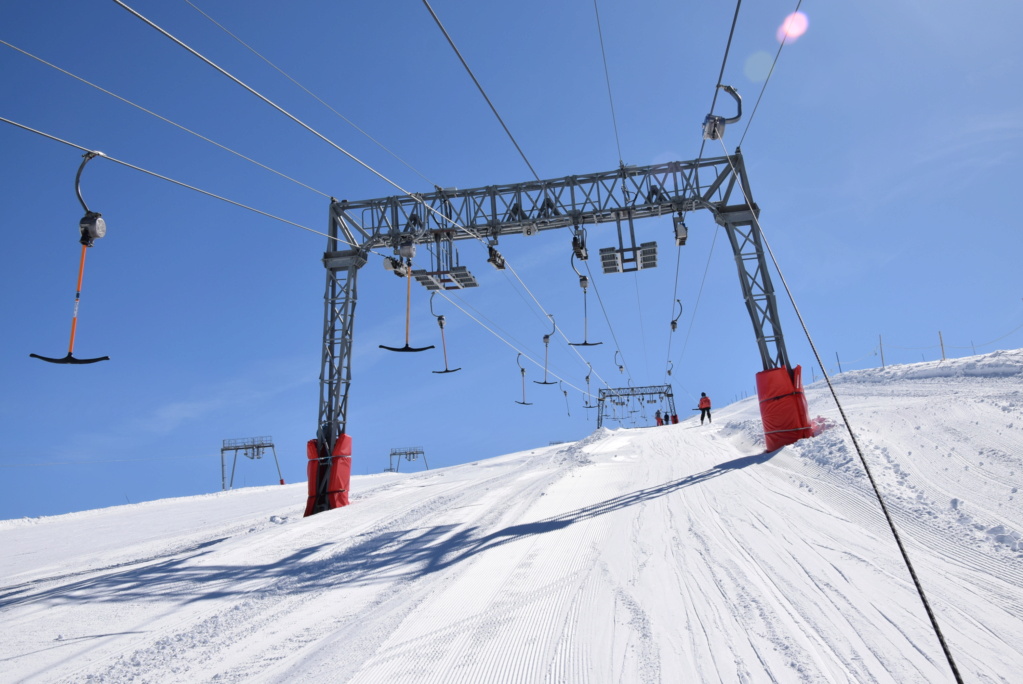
x,y
645,555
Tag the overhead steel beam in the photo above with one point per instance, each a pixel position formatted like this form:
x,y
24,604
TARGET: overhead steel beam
x,y
489,212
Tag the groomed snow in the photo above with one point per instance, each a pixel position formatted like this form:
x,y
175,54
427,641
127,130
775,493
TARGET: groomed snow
x,y
675,554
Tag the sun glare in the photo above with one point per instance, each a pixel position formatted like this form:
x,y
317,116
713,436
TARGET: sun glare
x,y
793,27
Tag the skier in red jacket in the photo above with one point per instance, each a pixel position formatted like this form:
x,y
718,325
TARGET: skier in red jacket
x,y
704,407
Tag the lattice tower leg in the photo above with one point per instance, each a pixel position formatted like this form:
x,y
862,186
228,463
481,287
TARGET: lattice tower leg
x,y
757,289
336,367
747,245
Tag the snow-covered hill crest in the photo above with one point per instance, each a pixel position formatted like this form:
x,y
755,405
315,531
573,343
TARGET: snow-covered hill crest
x,y
679,553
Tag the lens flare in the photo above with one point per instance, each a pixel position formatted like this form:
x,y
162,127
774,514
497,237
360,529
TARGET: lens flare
x,y
758,66
792,28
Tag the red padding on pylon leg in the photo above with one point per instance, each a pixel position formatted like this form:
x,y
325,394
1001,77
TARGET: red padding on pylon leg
x,y
311,469
340,479
340,473
783,407
343,446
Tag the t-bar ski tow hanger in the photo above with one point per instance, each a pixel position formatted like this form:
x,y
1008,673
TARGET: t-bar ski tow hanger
x,y
404,269
546,353
92,226
443,343
522,371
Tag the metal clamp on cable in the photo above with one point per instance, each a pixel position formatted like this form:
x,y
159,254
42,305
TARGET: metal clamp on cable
x,y
713,125
92,225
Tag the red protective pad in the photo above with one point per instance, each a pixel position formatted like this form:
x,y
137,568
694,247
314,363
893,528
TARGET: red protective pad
x,y
310,469
340,477
783,407
343,446
340,473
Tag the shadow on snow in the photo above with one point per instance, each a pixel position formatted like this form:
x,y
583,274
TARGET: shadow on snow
x,y
404,555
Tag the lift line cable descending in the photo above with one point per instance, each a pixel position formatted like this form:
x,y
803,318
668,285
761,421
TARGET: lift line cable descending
x,y
696,306
500,332
291,116
618,349
545,313
607,78
721,72
852,435
310,93
642,328
767,80
326,139
724,59
501,338
468,70
165,119
186,185
359,161
478,86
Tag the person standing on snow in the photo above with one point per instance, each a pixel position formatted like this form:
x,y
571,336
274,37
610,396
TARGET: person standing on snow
x,y
657,417
704,407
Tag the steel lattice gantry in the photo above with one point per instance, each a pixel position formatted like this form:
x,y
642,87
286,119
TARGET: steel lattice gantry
x,y
614,198
625,394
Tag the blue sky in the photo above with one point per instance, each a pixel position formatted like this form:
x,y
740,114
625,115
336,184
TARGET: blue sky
x,y
885,157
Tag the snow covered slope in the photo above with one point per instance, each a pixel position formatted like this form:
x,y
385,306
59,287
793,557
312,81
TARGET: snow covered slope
x,y
676,554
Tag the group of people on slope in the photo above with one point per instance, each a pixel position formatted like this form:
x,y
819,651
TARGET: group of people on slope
x,y
666,419
671,419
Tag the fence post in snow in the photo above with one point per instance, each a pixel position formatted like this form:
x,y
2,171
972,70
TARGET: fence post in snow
x,y
839,362
880,345
942,342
